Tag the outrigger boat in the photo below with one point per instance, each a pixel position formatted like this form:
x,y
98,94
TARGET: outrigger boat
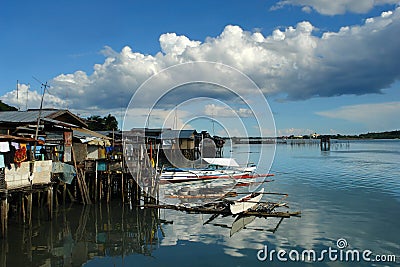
x,y
218,168
247,202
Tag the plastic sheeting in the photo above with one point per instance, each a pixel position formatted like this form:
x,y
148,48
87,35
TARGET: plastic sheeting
x,y
68,171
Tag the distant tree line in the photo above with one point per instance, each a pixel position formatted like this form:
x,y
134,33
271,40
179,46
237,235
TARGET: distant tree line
x,y
382,135
5,107
379,135
98,123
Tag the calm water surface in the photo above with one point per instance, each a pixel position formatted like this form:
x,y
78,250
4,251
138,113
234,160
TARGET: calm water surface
x,y
350,192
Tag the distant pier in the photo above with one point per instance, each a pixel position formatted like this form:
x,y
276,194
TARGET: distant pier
x,y
325,143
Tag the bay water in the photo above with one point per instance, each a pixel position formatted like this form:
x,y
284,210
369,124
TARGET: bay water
x,y
349,198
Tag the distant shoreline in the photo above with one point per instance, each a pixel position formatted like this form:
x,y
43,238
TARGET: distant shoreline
x,y
390,135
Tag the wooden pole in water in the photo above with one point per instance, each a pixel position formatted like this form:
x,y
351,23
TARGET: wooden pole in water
x,y
23,207
100,188
64,193
95,181
50,201
137,180
108,187
3,252
122,187
30,208
4,214
56,195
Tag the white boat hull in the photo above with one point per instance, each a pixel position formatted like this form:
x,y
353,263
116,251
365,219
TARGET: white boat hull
x,y
246,203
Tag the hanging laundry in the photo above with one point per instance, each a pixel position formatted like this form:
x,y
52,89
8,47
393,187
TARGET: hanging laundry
x,y
15,144
9,157
20,156
2,165
4,147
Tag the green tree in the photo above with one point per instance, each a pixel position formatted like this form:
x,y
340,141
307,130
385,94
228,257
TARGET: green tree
x,y
107,123
111,122
5,107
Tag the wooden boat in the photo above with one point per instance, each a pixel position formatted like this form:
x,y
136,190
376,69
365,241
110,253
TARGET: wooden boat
x,y
218,168
247,202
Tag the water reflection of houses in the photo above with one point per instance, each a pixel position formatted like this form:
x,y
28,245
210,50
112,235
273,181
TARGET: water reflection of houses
x,y
79,234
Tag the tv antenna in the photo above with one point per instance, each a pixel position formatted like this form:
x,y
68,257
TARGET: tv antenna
x,y
27,95
44,86
17,96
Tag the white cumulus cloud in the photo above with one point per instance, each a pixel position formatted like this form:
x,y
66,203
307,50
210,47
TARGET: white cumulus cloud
x,y
290,63
213,110
26,98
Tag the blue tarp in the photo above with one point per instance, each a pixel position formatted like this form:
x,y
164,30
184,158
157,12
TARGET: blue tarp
x,y
68,171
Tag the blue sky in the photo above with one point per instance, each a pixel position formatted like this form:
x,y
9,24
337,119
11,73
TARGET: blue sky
x,y
323,66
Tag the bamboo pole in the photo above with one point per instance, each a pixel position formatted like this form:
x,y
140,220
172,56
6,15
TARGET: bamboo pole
x,y
81,180
85,187
78,176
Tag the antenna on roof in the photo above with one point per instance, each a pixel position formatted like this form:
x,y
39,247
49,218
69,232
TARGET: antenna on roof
x,y
44,86
17,97
175,126
27,93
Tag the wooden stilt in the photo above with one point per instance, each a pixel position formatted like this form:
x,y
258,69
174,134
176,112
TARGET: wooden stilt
x,y
122,188
95,182
50,202
29,209
108,187
3,252
56,195
71,196
4,216
38,199
75,187
101,188
23,214
64,193
80,187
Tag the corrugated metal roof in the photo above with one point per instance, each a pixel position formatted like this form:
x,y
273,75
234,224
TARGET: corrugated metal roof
x,y
31,116
56,122
173,134
23,116
83,133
